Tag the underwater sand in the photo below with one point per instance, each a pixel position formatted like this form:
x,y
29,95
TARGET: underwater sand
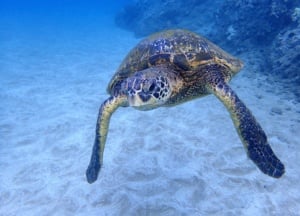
x,y
185,160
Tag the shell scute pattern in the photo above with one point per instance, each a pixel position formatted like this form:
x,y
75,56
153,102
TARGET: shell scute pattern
x,y
173,67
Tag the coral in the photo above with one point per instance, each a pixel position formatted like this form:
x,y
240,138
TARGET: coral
x,y
146,16
265,27
296,15
231,32
285,55
227,22
255,21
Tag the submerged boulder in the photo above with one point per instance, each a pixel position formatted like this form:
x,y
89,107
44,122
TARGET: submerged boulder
x,y
285,55
253,22
268,28
231,21
144,17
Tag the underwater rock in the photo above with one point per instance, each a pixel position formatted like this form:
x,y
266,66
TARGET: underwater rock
x,y
146,16
285,55
239,26
253,22
276,110
228,22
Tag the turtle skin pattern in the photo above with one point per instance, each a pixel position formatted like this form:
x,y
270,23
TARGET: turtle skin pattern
x,y
172,67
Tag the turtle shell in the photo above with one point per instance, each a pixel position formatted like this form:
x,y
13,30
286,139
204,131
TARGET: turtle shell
x,y
183,49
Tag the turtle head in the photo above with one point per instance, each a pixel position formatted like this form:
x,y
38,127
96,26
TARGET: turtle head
x,y
147,89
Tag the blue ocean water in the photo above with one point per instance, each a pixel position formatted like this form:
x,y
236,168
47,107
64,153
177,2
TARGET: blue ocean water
x,y
56,59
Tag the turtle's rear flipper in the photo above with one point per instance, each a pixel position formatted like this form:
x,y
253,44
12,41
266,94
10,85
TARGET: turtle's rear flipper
x,y
250,132
105,112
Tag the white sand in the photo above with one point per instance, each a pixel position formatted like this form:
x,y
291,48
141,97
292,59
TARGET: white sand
x,y
186,160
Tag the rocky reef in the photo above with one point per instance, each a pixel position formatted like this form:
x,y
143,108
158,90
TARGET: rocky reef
x,y
285,54
253,22
268,27
145,16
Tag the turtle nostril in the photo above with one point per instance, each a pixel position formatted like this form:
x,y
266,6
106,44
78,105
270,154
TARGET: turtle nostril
x,y
137,84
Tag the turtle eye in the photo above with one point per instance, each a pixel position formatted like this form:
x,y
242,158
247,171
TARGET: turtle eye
x,y
152,86
149,86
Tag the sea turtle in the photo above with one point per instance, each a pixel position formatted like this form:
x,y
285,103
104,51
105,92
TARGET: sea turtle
x,y
172,67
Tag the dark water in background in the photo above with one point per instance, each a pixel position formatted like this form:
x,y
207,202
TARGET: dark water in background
x,y
39,32
266,29
56,58
46,19
55,15
270,28
37,11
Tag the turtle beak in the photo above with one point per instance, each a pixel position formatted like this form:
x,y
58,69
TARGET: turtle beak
x,y
139,99
236,65
133,101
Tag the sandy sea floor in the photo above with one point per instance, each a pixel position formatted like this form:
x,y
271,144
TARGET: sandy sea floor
x,y
185,160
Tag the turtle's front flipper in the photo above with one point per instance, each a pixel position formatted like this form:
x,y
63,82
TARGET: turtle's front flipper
x,y
105,112
250,132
